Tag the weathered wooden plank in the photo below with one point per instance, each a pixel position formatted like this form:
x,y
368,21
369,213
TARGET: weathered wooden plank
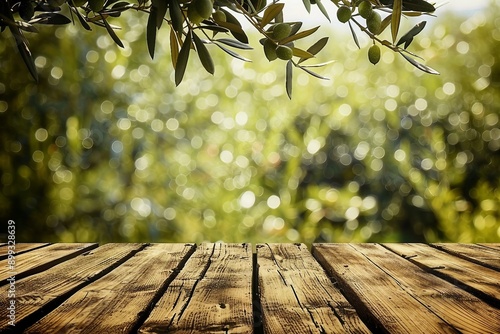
x,y
117,302
486,256
43,258
491,245
479,280
211,294
38,294
379,299
465,312
297,296
21,248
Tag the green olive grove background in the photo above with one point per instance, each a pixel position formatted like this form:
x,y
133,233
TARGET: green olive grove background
x,y
105,148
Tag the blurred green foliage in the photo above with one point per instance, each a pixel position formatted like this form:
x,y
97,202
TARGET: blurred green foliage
x,y
105,148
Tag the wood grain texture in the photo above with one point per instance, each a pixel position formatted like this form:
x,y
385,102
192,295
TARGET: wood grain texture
x,y
43,258
224,288
116,302
296,295
38,294
479,280
377,296
491,245
211,294
20,248
458,308
485,256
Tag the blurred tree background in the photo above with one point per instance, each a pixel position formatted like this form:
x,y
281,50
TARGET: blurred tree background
x,y
105,148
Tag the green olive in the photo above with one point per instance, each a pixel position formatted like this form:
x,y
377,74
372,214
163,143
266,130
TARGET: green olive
x,y
365,9
270,50
199,10
344,14
219,16
281,30
374,23
284,52
204,8
193,15
374,54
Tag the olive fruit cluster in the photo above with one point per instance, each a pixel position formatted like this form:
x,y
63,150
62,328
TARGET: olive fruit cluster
x,y
373,19
199,10
273,49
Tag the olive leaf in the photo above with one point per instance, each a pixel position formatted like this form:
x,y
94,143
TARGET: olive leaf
x,y
82,20
316,75
26,26
176,15
323,9
50,18
396,18
234,43
418,65
354,36
211,26
112,33
174,47
414,5
419,6
161,9
182,60
289,79
307,5
318,46
22,46
385,23
122,5
151,31
301,53
295,28
234,26
408,37
231,52
270,13
299,35
317,65
203,54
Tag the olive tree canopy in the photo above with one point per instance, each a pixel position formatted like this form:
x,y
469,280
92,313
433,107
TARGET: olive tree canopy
x,y
195,23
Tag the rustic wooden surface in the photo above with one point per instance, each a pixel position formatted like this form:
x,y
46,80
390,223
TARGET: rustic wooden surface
x,y
289,275
212,294
276,288
20,248
39,259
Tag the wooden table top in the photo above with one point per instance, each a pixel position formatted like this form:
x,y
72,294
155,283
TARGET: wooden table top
x,y
237,288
